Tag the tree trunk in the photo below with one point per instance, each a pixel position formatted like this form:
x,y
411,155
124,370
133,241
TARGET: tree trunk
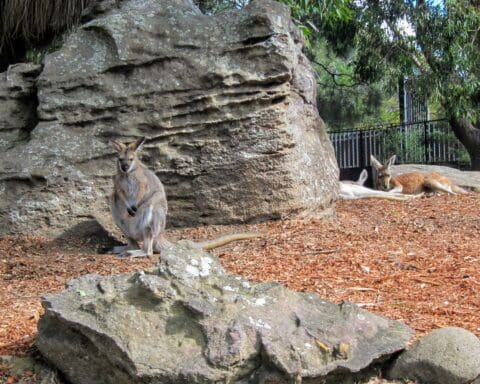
x,y
469,136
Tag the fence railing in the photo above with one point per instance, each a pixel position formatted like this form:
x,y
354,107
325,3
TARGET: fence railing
x,y
427,142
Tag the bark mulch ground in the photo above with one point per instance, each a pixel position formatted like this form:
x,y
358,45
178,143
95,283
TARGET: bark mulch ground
x,y
415,261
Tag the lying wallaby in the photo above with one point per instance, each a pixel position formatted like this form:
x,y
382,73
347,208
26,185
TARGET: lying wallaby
x,y
350,190
361,179
139,206
138,202
412,182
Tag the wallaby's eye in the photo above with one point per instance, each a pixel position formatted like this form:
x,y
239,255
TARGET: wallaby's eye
x,y
130,158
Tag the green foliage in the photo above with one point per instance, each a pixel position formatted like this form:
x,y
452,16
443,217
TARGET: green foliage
x,y
412,144
315,17
33,56
36,54
343,103
436,45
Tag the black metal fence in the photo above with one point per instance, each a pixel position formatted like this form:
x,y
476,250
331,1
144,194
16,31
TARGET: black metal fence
x,y
426,142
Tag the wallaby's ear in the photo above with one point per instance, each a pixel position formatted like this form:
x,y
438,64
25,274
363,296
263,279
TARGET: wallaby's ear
x,y
390,161
137,144
375,163
119,147
363,177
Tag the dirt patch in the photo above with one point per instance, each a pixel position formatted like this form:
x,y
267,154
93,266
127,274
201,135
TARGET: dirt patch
x,y
416,261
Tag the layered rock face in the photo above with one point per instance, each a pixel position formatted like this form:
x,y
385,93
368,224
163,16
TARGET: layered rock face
x,y
227,104
17,103
187,321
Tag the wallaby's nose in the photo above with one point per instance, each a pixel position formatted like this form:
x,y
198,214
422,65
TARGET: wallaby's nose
x,y
124,167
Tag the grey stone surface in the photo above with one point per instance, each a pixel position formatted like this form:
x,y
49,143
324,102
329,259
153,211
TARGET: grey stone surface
x,y
187,321
17,103
227,103
466,179
18,366
445,356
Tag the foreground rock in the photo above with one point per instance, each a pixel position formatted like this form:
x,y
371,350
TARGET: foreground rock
x,y
27,370
445,356
227,103
186,321
467,179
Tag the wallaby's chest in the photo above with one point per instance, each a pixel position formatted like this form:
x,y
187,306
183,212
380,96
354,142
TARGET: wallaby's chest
x,y
132,187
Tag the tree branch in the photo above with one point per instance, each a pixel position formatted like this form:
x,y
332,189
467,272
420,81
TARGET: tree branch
x,y
404,46
334,76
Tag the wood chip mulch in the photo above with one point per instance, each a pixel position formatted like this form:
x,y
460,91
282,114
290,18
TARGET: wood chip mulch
x,y
416,261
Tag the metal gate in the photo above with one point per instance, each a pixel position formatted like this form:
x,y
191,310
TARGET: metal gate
x,y
426,142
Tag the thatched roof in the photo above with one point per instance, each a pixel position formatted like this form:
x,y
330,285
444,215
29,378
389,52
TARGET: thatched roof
x,y
29,22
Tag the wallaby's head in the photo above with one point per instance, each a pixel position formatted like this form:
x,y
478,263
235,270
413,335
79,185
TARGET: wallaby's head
x,y
384,172
127,154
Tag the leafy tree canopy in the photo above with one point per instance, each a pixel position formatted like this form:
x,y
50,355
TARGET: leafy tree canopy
x,y
435,43
343,102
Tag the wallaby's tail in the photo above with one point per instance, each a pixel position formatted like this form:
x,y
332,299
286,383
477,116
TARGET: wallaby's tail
x,y
393,197
223,240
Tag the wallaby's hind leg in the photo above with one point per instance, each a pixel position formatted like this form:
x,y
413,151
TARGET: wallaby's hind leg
x,y
160,242
119,249
437,186
146,251
158,228
148,244
134,253
150,222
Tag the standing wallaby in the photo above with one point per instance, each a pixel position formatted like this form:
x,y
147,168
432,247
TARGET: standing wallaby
x,y
412,182
139,206
138,202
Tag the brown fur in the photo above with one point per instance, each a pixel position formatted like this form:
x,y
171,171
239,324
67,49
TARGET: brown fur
x,y
139,206
356,190
138,202
412,182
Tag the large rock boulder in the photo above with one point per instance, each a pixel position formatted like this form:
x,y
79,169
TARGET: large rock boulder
x,y
186,321
18,104
27,370
226,102
445,356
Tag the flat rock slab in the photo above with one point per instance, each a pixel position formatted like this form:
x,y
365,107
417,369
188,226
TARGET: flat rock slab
x,y
187,321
